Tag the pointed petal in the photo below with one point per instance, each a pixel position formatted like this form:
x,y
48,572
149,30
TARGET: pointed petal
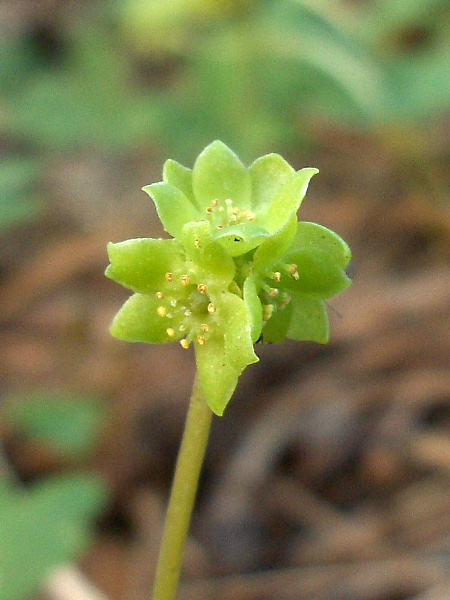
x,y
218,174
141,264
309,320
268,174
321,257
235,321
138,321
287,201
276,328
253,306
240,239
180,177
173,207
217,376
274,247
210,256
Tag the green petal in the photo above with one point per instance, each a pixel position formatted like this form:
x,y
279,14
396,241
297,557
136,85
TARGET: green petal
x,y
321,257
276,329
287,201
234,318
210,256
309,320
274,247
141,264
218,174
180,177
253,306
139,321
217,376
173,207
240,239
268,174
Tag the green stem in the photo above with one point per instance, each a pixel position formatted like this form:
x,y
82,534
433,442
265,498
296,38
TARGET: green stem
x,y
182,496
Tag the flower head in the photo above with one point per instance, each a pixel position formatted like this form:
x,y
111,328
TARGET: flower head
x,y
239,267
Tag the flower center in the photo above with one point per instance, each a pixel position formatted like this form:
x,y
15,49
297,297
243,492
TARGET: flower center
x,y
225,215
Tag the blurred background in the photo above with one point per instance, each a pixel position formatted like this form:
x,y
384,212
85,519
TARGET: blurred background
x,y
329,476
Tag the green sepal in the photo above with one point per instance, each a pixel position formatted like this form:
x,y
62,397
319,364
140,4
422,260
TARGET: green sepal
x,y
268,175
173,207
321,257
141,264
218,174
237,327
253,306
210,256
276,329
309,320
240,239
274,247
180,177
217,377
286,201
139,321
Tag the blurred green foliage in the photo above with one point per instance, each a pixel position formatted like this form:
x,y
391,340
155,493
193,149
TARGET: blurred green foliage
x,y
50,522
174,75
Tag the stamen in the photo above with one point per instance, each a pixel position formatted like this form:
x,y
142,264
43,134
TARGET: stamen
x,y
267,311
211,308
159,295
170,332
173,302
209,210
215,203
201,340
277,276
205,328
184,343
162,311
170,277
293,272
187,313
202,288
273,293
184,280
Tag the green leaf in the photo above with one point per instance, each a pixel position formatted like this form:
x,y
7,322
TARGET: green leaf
x,y
180,177
268,175
141,264
276,329
287,200
173,207
43,528
309,320
218,174
139,321
321,257
69,424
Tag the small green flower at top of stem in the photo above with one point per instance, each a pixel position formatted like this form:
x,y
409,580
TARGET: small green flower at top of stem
x,y
239,267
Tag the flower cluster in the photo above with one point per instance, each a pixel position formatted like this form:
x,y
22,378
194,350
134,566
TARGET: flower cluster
x,y
238,268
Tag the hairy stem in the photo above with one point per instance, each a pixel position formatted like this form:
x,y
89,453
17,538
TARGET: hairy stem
x,y
182,497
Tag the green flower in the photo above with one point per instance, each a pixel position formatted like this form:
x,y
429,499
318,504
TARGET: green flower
x,y
238,268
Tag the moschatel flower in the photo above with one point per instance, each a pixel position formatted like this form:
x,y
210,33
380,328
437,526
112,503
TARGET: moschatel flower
x,y
238,268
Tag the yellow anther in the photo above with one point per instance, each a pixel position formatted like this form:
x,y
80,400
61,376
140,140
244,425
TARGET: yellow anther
x,y
273,293
170,277
170,332
184,280
162,311
249,215
173,302
209,210
211,308
267,311
215,203
201,340
277,276
184,344
202,288
159,295
187,313
205,328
